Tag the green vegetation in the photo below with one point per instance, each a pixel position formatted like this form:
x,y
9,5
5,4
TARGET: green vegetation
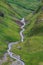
x,y
31,50
9,30
6,63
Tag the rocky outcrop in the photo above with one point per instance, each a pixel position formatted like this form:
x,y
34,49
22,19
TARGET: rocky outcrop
x,y
1,14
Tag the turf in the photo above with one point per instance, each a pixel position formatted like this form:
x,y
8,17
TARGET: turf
x,y
31,50
9,30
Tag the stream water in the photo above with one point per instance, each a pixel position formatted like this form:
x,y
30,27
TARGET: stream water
x,y
11,54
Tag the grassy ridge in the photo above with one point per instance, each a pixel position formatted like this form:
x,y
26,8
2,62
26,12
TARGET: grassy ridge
x,y
26,4
31,50
9,30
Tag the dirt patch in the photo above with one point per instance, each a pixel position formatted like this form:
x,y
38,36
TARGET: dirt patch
x,y
18,22
41,63
16,63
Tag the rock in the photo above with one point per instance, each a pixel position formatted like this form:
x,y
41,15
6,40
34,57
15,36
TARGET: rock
x,y
19,47
1,14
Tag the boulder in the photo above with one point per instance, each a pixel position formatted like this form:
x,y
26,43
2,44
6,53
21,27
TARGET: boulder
x,y
1,14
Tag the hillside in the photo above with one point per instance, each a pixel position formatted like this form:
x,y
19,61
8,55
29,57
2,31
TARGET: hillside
x,y
9,30
11,12
32,47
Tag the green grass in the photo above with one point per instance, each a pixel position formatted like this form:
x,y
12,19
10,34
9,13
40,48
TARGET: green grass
x,y
27,4
9,30
6,63
3,47
31,51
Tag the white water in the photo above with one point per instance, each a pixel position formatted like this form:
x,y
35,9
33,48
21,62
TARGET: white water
x,y
21,32
10,44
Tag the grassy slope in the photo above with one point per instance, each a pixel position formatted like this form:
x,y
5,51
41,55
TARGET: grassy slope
x,y
24,7
32,48
9,30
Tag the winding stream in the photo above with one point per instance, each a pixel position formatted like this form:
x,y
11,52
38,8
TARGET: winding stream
x,y
22,39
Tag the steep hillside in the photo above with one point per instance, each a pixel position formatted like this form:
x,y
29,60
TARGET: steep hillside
x,y
9,30
11,12
32,48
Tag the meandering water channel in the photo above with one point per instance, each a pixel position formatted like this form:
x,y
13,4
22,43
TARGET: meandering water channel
x,y
11,54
